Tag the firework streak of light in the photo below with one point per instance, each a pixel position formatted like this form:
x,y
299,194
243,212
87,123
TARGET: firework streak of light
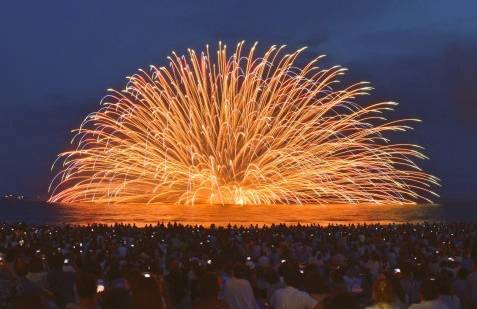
x,y
240,129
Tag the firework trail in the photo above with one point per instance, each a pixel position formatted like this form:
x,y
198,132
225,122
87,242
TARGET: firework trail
x,y
240,129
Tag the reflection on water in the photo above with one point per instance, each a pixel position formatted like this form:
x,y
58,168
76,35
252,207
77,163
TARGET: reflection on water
x,y
140,214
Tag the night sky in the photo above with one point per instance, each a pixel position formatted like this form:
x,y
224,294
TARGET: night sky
x,y
57,58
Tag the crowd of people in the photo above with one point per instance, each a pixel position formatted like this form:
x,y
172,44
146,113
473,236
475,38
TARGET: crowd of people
x,y
428,265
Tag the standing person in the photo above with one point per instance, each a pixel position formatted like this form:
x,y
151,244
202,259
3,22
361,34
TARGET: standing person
x,y
273,282
315,285
208,293
411,286
36,273
22,284
459,286
446,292
148,293
472,281
238,293
429,296
27,293
60,282
384,295
178,287
290,297
86,289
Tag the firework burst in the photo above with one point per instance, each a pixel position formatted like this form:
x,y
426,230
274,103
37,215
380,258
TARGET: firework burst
x,y
240,129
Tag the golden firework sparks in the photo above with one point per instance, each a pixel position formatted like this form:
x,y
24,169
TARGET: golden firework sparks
x,y
240,129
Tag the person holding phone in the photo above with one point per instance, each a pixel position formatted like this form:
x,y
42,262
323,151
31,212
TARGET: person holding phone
x,y
86,288
291,297
148,291
384,295
208,297
60,282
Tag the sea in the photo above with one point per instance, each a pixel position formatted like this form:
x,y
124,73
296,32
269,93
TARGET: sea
x,y
34,212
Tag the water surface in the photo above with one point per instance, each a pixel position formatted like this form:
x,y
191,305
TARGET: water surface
x,y
140,214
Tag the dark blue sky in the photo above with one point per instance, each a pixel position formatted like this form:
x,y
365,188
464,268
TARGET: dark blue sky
x,y
58,57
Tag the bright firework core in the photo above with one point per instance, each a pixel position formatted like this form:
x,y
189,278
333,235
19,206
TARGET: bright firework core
x,y
240,129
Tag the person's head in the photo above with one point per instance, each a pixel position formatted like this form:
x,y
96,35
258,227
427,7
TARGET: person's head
x,y
383,291
315,283
209,286
290,273
36,265
337,283
429,289
86,285
270,275
21,267
55,261
444,283
147,293
241,271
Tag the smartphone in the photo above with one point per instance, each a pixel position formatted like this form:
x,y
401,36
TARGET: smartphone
x,y
146,275
99,286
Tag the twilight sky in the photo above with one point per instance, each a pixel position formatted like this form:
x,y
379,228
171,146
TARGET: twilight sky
x,y
57,58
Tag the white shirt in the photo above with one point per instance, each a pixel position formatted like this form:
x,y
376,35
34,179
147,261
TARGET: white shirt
x,y
429,304
291,298
238,294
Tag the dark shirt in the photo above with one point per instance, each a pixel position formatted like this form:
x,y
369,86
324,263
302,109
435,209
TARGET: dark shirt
x,y
61,284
